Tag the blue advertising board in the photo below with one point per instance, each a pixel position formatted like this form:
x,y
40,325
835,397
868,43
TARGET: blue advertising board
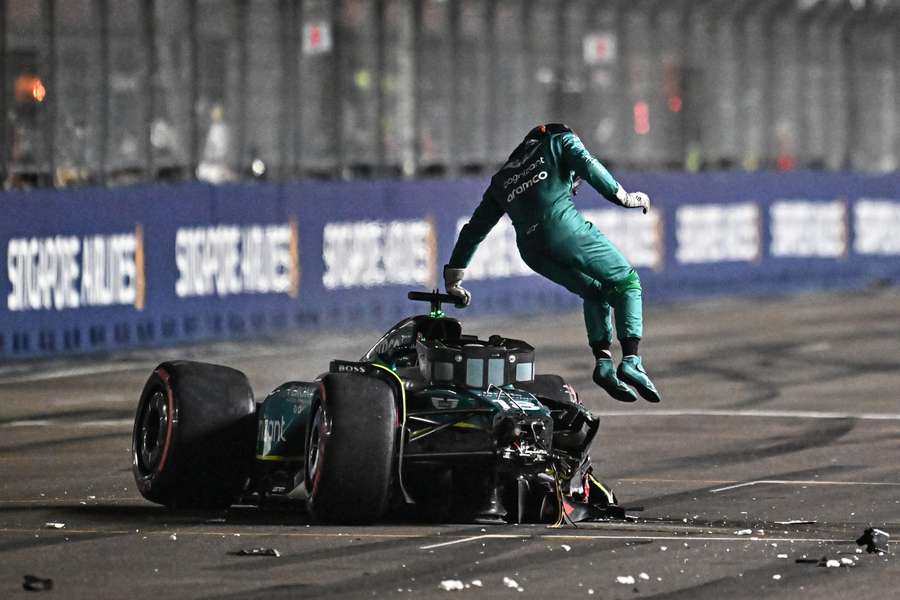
x,y
95,270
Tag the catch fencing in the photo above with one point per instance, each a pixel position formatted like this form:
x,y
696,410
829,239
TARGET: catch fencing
x,y
121,91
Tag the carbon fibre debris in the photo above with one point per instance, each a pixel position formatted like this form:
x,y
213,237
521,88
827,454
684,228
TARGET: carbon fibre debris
x,y
259,551
31,583
875,540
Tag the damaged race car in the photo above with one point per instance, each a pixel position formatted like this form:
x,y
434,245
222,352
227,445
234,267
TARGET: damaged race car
x,y
430,422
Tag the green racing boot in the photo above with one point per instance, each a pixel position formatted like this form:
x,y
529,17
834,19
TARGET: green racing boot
x,y
631,371
605,377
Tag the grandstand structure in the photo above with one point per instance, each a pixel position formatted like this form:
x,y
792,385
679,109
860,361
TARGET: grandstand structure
x,y
109,92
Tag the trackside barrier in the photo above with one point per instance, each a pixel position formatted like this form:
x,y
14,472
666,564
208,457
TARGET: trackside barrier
x,y
105,269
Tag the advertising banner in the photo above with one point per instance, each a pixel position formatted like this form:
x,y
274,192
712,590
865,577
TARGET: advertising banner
x,y
98,270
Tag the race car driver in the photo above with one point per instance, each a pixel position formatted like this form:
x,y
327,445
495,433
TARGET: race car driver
x,y
535,188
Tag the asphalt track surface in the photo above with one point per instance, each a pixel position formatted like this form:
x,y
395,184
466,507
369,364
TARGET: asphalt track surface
x,y
773,411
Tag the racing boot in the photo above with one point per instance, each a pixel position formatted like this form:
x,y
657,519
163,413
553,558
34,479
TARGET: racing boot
x,y
631,371
605,377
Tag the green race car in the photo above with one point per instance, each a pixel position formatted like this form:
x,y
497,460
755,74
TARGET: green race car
x,y
430,421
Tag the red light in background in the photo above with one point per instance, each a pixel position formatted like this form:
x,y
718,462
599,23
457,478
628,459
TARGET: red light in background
x,y
675,104
315,37
641,118
785,162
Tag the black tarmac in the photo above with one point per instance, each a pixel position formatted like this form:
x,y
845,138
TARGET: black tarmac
x,y
776,445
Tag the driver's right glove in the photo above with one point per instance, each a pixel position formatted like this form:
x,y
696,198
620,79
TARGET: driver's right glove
x,y
633,199
452,280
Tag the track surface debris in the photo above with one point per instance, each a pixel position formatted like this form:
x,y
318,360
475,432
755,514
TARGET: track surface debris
x,y
774,449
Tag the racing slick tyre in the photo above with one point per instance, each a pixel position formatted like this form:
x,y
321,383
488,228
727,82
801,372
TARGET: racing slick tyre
x,y
350,450
193,438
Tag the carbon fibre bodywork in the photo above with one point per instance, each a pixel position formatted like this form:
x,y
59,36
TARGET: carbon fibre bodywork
x,y
477,434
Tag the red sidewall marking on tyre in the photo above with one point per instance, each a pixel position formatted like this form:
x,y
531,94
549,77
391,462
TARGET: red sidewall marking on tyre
x,y
320,453
169,425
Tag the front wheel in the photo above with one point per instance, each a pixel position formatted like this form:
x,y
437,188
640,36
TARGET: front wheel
x,y
350,450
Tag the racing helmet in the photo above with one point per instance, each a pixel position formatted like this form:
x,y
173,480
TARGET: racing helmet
x,y
547,129
535,135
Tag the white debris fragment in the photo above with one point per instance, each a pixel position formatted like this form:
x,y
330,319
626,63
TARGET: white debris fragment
x,y
644,576
590,591
782,556
52,525
449,585
663,548
92,497
625,579
832,563
743,532
565,547
847,561
173,537
512,583
776,576
477,582
796,522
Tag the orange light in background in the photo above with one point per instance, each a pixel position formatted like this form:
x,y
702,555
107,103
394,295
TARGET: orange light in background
x,y
641,118
675,104
30,88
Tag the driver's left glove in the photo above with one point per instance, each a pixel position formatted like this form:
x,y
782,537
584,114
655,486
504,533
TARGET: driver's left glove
x,y
452,283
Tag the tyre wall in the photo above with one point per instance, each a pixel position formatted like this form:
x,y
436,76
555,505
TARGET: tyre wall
x,y
96,270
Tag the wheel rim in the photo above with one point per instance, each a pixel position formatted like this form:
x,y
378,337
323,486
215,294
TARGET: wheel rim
x,y
153,430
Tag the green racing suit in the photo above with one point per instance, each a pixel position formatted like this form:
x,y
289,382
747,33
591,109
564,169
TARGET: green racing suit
x,y
535,188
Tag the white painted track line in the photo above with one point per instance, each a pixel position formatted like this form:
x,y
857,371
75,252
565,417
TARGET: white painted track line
x,y
67,423
574,537
474,538
94,369
773,414
796,482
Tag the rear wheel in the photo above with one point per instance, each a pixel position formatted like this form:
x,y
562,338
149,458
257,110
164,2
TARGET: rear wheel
x,y
192,443
350,451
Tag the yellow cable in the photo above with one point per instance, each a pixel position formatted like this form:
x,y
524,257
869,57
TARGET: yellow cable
x,y
609,496
406,496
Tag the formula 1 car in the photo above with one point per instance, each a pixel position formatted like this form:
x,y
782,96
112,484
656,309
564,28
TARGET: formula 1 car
x,y
429,419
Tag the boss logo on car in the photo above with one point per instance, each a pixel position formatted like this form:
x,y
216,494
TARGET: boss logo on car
x,y
348,367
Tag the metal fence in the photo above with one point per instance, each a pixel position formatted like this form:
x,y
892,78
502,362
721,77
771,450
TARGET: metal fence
x,y
121,91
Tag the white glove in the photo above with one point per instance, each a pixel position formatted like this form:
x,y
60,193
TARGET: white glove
x,y
452,280
633,199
